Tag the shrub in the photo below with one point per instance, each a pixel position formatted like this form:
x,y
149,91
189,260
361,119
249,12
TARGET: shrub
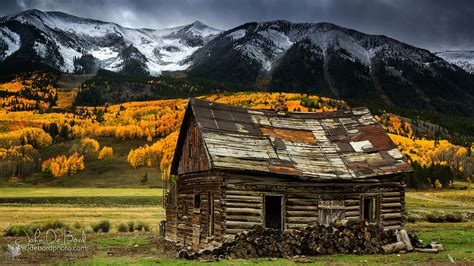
x,y
78,225
411,218
455,218
56,224
435,217
131,226
145,178
102,226
17,230
122,227
141,226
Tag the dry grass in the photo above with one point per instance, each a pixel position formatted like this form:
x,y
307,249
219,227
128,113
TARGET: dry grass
x,y
79,192
13,215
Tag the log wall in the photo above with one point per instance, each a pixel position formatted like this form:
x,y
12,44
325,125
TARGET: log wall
x,y
239,203
243,197
192,222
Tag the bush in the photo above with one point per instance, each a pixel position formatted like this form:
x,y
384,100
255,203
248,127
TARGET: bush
x,y
141,226
102,226
145,178
435,217
131,226
455,218
56,224
411,218
122,227
17,230
77,225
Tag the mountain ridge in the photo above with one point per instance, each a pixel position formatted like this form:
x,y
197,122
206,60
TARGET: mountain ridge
x,y
318,58
61,38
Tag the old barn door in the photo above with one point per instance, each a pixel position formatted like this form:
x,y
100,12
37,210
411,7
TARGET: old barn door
x,y
330,210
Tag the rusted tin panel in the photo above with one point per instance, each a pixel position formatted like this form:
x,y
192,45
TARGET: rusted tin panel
x,y
283,169
376,135
289,134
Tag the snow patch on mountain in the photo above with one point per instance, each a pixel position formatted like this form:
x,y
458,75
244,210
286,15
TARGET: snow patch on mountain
x,y
164,49
9,42
463,59
238,34
266,42
68,55
104,53
40,49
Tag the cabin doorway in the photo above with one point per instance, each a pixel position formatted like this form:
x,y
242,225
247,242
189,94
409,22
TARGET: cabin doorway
x,y
273,212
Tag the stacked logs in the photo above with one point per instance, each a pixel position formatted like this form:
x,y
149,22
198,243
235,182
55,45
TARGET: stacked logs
x,y
344,237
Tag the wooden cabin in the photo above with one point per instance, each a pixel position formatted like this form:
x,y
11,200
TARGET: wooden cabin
x,y
237,168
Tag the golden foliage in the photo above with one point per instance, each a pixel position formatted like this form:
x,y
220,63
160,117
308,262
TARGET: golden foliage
x,y
89,145
428,152
30,135
393,124
159,154
33,93
19,161
106,151
62,165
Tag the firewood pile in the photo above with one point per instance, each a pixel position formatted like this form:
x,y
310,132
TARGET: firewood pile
x,y
340,237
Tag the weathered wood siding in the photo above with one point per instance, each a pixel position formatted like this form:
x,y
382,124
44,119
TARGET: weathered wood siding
x,y
193,222
193,154
243,196
171,214
392,208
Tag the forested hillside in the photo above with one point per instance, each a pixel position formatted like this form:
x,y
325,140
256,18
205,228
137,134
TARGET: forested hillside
x,y
37,138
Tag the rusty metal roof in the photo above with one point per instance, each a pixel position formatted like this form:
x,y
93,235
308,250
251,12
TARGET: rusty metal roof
x,y
346,144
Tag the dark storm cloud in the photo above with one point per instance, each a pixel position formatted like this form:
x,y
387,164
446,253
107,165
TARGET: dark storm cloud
x,y
435,24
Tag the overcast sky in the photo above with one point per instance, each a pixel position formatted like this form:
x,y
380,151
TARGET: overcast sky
x,y
432,24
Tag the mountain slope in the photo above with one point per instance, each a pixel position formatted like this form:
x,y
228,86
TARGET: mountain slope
x,y
463,59
318,58
326,59
59,40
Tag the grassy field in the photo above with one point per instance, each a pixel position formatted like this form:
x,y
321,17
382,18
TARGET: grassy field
x,y
86,206
83,205
149,249
79,192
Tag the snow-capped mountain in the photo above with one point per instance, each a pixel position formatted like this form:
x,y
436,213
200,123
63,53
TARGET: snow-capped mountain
x,y
267,42
463,59
60,38
318,58
326,59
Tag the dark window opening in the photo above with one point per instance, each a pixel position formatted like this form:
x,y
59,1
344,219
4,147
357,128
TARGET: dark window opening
x,y
273,212
210,203
197,201
370,209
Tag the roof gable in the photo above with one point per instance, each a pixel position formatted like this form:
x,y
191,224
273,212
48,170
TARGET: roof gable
x,y
332,145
